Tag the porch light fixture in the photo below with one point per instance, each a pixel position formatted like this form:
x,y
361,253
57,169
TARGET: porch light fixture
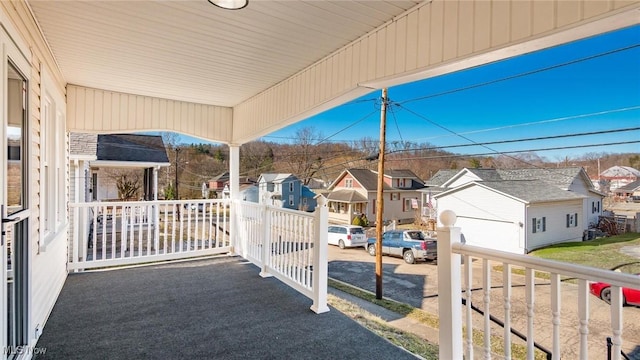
x,y
230,4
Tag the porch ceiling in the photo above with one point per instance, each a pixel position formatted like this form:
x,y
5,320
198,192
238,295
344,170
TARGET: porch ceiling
x,y
189,50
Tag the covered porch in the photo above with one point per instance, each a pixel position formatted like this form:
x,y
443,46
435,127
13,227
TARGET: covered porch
x,y
217,308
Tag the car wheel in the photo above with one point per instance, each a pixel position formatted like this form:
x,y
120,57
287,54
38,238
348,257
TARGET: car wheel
x,y
372,250
341,244
605,295
408,257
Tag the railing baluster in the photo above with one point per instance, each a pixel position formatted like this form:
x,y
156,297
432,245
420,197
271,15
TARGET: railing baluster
x,y
555,314
468,275
530,293
486,284
94,235
196,227
114,240
165,220
616,322
103,239
583,314
506,294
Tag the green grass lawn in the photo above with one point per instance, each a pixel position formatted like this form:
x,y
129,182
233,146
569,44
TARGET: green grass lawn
x,y
603,253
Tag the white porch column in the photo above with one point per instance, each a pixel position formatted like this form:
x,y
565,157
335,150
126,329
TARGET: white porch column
x,y
449,289
155,183
234,193
320,258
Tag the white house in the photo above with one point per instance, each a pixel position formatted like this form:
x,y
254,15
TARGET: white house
x,y
521,210
95,161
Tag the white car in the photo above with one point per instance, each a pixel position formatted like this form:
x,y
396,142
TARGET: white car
x,y
347,236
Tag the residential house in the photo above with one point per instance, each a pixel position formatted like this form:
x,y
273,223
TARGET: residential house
x,y
286,191
618,176
134,80
219,185
354,192
96,162
519,210
631,189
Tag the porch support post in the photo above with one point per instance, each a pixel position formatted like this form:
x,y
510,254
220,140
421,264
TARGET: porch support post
x,y
234,193
449,289
320,258
156,211
266,242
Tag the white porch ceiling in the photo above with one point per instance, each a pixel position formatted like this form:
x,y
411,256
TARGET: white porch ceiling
x,y
189,50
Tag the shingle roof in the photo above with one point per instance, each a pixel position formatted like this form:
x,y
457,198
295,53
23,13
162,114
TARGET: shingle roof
x,y
130,147
83,144
441,177
348,196
531,190
561,177
367,178
403,173
630,187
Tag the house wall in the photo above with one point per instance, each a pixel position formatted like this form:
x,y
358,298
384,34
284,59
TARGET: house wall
x,y
47,263
555,219
343,183
102,111
487,218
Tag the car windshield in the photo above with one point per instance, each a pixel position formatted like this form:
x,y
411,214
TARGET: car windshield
x,y
357,231
415,235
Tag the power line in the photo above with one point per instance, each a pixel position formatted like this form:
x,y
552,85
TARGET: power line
x,y
591,57
522,139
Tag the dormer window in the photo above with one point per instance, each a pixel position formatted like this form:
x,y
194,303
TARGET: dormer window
x,y
348,183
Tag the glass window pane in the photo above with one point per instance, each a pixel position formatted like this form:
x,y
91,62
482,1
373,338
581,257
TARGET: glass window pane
x,y
16,139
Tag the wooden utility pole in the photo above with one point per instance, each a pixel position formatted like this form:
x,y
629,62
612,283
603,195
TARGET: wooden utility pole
x,y
379,196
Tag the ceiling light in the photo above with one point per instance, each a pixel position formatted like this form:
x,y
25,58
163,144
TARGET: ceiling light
x,y
230,4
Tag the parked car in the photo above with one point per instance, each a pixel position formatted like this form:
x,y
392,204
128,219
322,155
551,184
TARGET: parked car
x,y
347,236
603,291
412,245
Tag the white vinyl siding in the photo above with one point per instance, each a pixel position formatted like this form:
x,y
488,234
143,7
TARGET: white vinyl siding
x,y
412,47
487,219
556,230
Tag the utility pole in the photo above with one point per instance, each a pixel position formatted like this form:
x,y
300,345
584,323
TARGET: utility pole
x,y
379,196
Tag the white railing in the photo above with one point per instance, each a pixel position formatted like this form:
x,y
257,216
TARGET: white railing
x,y
123,233
541,325
287,244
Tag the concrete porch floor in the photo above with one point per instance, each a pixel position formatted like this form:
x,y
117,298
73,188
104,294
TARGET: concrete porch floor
x,y
203,309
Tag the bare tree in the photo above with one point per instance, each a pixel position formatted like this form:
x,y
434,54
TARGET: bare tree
x,y
305,158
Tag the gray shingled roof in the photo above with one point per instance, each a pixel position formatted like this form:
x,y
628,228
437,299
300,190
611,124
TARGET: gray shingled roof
x,y
441,177
561,177
486,174
130,147
348,196
83,144
630,187
367,178
531,190
403,173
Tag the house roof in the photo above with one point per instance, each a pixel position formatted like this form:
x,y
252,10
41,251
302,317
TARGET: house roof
x,y
561,177
366,178
620,171
531,191
347,196
630,187
83,144
402,173
276,177
441,177
222,177
131,148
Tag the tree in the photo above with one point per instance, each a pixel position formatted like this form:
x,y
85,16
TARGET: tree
x,y
128,186
305,157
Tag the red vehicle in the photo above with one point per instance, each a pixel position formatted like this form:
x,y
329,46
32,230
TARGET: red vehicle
x,y
603,291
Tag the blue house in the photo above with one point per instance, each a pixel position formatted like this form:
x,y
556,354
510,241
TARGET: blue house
x,y
286,191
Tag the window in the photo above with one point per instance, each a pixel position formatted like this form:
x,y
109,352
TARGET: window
x,y
53,140
572,220
539,225
348,183
291,186
595,207
290,200
394,196
407,206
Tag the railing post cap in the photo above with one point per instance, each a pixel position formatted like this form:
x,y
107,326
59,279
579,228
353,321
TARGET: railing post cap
x,y
448,218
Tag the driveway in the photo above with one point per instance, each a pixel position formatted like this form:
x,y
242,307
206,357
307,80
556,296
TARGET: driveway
x,y
417,285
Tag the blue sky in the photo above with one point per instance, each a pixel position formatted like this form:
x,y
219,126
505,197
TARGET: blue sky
x,y
591,85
